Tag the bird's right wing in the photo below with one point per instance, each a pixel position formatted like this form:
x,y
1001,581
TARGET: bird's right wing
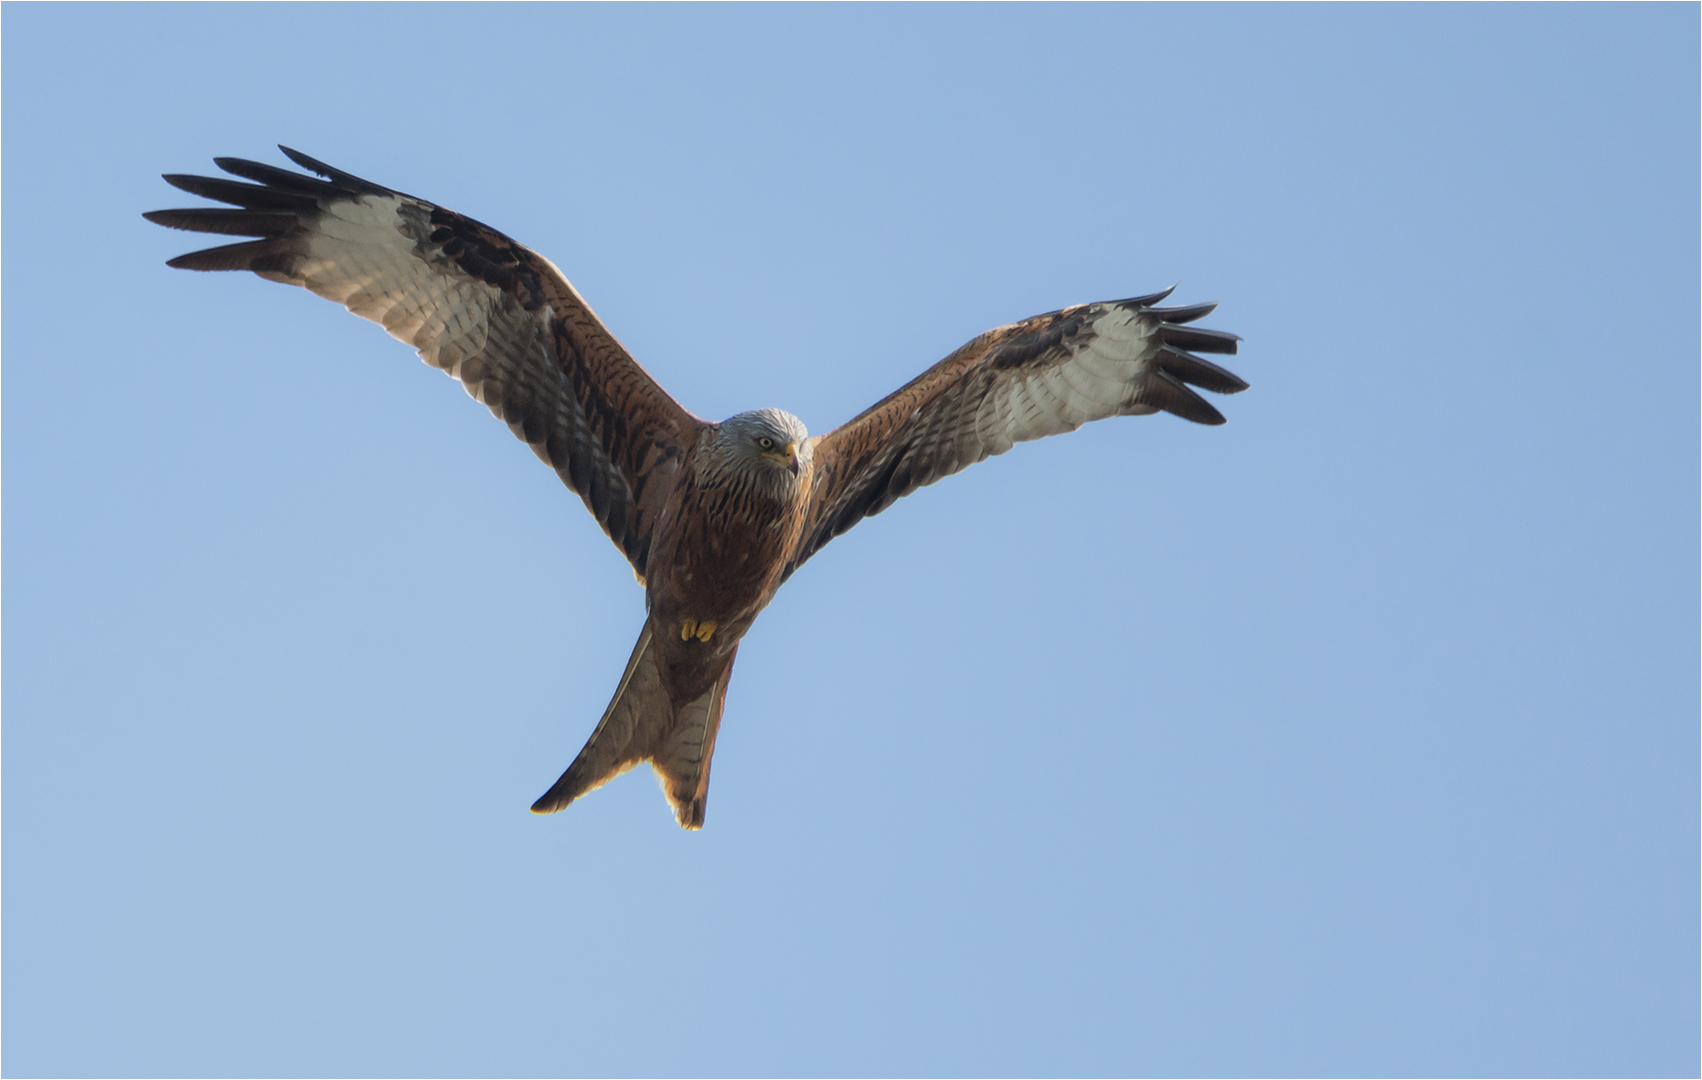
x,y
484,309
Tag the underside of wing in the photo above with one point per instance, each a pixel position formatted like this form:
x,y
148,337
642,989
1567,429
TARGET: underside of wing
x,y
1042,376
482,308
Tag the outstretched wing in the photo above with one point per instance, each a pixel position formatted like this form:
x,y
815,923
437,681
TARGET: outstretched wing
x,y
487,311
1042,376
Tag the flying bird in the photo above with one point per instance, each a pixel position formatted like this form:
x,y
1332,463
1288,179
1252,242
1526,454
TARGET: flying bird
x,y
714,517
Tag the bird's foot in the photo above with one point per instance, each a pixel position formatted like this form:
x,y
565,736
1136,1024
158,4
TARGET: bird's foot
x,y
691,628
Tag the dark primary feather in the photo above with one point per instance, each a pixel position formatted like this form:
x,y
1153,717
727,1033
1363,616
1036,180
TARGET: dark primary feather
x,y
1180,315
229,222
1188,337
347,180
283,180
250,196
1164,391
1200,372
483,308
1145,301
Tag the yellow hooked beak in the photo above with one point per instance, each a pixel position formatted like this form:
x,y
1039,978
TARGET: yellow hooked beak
x,y
787,456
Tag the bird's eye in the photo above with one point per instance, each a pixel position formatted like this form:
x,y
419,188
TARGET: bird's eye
x,y
766,443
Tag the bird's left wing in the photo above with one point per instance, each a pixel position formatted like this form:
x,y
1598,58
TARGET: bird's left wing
x,y
484,309
1042,376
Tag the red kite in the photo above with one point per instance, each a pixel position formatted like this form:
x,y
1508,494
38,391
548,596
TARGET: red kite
x,y
713,517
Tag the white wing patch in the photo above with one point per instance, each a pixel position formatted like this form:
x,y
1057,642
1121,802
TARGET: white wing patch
x,y
363,257
1098,379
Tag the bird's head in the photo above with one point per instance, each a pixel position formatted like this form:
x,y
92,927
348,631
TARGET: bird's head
x,y
767,447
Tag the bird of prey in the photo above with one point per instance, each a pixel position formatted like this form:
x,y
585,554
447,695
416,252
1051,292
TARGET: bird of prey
x,y
713,517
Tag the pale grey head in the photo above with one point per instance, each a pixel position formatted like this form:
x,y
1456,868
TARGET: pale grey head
x,y
766,449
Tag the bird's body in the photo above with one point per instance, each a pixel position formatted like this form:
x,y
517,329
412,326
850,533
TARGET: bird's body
x,y
719,550
713,517
724,537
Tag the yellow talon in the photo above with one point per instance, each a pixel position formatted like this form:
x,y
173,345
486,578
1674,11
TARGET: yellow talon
x,y
691,628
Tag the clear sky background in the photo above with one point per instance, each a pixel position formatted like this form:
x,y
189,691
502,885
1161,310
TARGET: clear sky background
x,y
1356,736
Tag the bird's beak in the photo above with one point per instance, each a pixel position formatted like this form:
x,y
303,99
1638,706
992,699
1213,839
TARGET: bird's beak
x,y
788,456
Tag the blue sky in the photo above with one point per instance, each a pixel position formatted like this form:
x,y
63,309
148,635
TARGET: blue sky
x,y
1356,736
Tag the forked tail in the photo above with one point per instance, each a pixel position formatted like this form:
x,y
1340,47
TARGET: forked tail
x,y
642,724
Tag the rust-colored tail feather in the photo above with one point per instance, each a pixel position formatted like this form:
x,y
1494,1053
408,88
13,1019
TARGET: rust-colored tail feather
x,y
681,758
641,724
